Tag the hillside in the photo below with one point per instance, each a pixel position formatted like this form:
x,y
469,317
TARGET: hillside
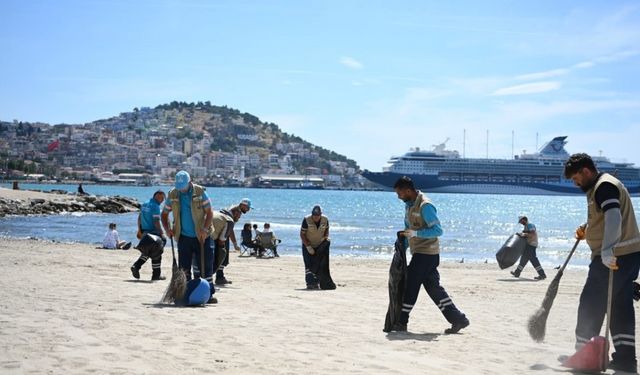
x,y
212,142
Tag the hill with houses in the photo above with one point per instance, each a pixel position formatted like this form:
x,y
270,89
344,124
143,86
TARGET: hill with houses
x,y
216,144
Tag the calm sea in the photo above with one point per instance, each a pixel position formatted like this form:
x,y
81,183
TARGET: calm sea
x,y
363,223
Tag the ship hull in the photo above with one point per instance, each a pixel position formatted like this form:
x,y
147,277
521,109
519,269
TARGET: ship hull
x,y
432,184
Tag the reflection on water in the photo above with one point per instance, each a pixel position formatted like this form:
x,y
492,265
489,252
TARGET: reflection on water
x,y
363,223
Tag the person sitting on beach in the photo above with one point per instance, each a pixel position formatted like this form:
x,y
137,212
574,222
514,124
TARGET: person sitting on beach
x,y
112,239
247,238
149,222
266,231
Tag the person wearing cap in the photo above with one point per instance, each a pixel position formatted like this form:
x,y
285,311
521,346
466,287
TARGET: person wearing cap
x,y
149,222
222,226
529,253
192,216
241,208
245,205
422,229
314,231
231,216
612,234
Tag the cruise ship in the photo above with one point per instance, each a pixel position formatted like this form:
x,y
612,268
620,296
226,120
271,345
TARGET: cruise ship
x,y
541,173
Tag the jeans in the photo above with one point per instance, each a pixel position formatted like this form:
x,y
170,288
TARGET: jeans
x,y
189,251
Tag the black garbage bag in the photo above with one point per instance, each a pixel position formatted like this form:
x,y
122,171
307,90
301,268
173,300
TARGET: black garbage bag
x,y
320,266
397,283
511,251
151,245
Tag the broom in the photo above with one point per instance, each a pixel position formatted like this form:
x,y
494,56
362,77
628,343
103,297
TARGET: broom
x,y
178,284
538,321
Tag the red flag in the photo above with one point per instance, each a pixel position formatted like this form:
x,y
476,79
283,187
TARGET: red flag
x,y
53,145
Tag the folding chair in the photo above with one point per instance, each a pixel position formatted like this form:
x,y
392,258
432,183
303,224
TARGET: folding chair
x,y
246,250
267,245
248,246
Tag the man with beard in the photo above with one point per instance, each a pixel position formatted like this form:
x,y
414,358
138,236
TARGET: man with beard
x,y
612,234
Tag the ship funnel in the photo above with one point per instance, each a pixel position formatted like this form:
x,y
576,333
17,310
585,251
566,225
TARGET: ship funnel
x,y
555,148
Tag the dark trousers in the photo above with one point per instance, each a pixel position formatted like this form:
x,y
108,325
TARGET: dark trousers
x,y
309,277
423,270
593,306
529,254
189,252
155,262
225,262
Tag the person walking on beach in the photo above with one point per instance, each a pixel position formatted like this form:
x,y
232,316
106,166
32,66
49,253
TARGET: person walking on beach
x,y
313,232
112,240
422,229
529,254
192,215
612,234
149,222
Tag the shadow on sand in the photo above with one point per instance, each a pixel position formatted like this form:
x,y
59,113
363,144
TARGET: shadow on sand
x,y
394,336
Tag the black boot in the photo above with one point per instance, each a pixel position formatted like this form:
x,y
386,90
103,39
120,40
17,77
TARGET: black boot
x,y
135,272
156,275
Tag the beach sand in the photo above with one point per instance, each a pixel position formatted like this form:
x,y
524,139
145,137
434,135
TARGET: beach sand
x,y
74,309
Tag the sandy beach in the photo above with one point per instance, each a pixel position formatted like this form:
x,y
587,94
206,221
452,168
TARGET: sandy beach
x,y
71,308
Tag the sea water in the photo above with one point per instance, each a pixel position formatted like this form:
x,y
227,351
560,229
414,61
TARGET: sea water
x,y
363,224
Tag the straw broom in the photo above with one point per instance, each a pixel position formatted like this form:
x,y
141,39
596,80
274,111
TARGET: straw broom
x,y
178,284
538,321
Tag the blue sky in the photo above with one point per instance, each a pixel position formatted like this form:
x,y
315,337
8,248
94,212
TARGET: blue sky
x,y
368,79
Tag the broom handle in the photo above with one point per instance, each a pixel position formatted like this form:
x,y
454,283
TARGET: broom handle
x,y
575,245
202,266
173,253
609,299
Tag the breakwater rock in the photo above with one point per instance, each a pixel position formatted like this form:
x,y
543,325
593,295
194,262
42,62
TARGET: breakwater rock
x,y
28,203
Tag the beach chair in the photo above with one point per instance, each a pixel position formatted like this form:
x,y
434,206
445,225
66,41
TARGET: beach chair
x,y
267,245
248,245
247,249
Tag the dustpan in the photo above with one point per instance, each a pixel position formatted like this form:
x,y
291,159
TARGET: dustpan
x,y
594,355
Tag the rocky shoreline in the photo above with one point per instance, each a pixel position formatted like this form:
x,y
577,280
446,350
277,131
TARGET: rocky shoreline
x,y
29,202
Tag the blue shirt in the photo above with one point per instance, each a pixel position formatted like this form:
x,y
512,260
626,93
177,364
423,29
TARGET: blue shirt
x,y
149,215
429,215
187,226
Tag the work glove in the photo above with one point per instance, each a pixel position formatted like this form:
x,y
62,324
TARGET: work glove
x,y
311,250
608,259
409,233
580,232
